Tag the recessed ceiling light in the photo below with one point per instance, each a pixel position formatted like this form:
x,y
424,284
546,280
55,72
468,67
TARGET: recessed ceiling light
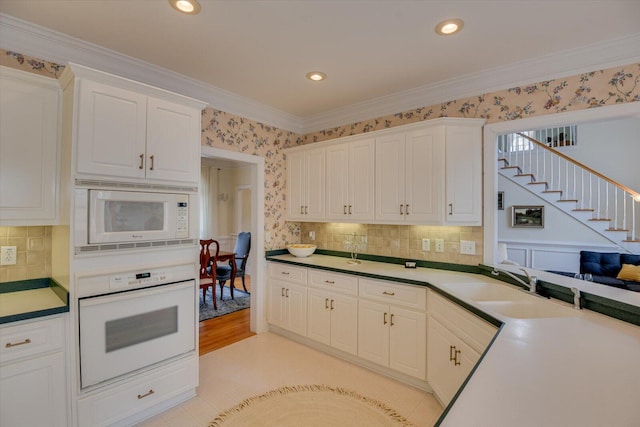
x,y
316,76
186,6
450,26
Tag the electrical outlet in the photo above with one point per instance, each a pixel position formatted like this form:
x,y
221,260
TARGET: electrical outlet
x,y
426,245
439,245
467,247
454,247
8,255
312,235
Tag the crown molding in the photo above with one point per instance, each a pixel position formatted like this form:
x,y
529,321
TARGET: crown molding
x,y
42,43
603,55
37,41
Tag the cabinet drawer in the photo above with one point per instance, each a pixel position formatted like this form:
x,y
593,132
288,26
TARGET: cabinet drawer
x,y
288,273
334,281
394,293
126,400
473,330
28,339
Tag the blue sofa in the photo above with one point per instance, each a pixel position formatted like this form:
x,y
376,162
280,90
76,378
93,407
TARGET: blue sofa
x,y
605,266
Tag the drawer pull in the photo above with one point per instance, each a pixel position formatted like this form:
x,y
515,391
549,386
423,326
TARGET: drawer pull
x,y
149,393
455,357
9,344
281,292
141,162
451,353
152,159
332,307
344,209
384,319
286,273
388,293
326,303
391,320
331,282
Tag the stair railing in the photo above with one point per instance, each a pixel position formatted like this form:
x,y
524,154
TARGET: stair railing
x,y
576,182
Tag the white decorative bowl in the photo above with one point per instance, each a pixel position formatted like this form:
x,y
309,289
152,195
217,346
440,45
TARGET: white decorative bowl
x,y
301,250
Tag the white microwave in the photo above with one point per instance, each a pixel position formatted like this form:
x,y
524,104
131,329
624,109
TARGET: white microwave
x,y
128,217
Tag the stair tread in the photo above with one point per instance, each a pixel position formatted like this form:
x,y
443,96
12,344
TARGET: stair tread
x,y
510,167
552,191
568,200
617,229
583,210
600,219
632,241
524,174
538,182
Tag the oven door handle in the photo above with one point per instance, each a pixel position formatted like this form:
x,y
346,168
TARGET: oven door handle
x,y
126,295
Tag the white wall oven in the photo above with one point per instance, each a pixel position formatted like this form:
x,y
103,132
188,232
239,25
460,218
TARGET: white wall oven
x,y
118,219
131,321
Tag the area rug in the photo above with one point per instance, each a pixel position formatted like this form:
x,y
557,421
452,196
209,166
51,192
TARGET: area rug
x,y
241,301
310,406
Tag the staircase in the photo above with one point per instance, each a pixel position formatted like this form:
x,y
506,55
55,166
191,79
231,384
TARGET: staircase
x,y
607,207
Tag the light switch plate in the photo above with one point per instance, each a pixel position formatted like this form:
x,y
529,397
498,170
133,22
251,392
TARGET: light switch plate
x,y
467,247
8,255
426,245
439,245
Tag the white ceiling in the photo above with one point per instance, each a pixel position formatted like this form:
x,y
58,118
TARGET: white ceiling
x,y
372,51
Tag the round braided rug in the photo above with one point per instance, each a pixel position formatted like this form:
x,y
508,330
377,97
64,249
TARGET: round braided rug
x,y
309,406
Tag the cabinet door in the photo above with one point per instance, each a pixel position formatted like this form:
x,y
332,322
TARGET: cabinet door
x,y
315,185
408,342
338,171
173,141
390,175
33,393
276,306
464,175
296,302
29,144
296,178
344,323
424,158
319,316
373,332
111,131
361,180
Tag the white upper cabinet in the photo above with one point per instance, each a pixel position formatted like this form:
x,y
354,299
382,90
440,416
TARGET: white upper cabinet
x,y
125,129
350,181
464,175
30,117
306,184
424,173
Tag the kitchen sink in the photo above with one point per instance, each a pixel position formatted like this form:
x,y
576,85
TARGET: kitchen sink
x,y
528,309
487,292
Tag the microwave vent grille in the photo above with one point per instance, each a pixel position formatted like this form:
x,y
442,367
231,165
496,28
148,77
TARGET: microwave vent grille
x,y
111,247
91,183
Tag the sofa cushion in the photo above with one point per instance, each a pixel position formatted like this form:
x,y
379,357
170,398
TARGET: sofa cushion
x,y
600,263
610,281
630,259
629,272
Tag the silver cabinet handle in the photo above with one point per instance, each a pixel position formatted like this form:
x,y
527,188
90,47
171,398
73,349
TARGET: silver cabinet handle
x,y
301,209
149,393
281,292
450,208
401,206
151,158
141,162
10,344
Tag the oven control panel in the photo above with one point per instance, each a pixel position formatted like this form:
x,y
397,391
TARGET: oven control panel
x,y
139,279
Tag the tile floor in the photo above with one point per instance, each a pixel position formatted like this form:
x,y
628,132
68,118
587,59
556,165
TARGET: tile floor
x,y
267,361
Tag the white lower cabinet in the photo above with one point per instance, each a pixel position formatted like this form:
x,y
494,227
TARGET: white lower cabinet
x,y
332,316
33,389
287,305
456,339
389,334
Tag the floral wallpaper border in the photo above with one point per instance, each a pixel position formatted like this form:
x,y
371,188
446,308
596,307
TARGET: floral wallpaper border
x,y
227,131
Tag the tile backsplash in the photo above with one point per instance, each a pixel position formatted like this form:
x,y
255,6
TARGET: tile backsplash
x,y
402,241
33,245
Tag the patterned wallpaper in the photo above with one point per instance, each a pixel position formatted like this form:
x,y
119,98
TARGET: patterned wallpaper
x,y
230,132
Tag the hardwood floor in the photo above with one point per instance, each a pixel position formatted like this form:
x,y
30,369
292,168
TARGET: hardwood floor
x,y
224,330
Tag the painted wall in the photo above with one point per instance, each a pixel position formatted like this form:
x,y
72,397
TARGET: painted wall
x,y
226,131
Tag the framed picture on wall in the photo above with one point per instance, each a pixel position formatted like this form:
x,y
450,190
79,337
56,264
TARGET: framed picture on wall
x,y
527,216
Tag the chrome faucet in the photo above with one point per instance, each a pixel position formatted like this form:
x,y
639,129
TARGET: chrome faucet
x,y
532,281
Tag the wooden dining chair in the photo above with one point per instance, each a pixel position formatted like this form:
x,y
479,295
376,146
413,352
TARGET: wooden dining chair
x,y
207,270
242,249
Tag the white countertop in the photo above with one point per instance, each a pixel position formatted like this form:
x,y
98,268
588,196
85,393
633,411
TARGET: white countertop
x,y
582,370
